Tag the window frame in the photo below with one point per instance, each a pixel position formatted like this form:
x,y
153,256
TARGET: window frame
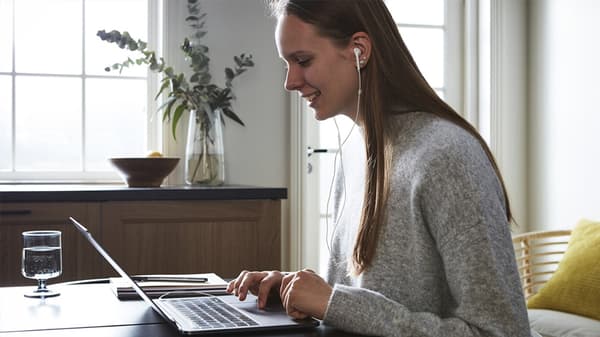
x,y
153,126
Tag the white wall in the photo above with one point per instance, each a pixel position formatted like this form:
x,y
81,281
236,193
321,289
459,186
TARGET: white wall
x,y
256,154
564,70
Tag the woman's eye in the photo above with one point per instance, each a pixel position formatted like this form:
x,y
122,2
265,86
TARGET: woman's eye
x,y
304,63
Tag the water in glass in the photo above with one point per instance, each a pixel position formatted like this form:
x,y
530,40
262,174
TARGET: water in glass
x,y
41,259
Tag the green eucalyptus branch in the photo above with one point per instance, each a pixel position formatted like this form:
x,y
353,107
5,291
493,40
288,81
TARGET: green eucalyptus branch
x,y
197,93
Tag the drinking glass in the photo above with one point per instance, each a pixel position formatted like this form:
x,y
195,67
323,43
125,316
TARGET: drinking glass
x,y
41,260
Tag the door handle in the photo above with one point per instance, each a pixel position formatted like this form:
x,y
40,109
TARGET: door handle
x,y
310,151
15,212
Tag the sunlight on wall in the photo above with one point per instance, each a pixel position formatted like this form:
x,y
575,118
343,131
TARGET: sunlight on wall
x,y
565,83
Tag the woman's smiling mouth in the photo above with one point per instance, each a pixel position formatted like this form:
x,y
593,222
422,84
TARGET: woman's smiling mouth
x,y
311,97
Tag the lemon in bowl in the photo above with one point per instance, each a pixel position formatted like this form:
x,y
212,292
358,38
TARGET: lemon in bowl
x,y
155,154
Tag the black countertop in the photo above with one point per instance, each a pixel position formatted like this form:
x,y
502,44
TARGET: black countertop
x,y
93,192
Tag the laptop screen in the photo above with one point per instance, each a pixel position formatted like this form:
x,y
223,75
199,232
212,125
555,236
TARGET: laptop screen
x,y
118,268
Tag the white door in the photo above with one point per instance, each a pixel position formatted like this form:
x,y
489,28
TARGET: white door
x,y
432,31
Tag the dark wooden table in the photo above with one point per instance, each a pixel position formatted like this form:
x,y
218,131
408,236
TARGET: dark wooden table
x,y
93,310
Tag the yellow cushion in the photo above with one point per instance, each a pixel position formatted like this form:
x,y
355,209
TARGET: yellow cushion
x,y
575,285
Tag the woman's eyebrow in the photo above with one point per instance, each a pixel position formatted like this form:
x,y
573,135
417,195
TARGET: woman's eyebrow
x,y
295,55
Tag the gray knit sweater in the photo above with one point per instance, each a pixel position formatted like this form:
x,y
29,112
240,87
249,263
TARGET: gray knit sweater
x,y
444,263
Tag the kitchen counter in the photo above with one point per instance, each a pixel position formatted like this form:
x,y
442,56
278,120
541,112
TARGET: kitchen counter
x,y
94,192
164,230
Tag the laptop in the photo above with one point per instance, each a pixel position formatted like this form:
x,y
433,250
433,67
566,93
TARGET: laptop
x,y
208,314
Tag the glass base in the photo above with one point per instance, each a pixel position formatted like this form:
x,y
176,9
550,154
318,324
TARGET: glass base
x,y
41,293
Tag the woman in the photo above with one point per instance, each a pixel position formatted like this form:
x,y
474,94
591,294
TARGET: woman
x,y
430,252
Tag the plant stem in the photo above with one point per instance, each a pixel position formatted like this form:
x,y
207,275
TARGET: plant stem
x,y
203,160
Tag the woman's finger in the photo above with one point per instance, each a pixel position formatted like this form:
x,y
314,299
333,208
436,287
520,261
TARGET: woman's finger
x,y
234,284
284,283
249,282
266,285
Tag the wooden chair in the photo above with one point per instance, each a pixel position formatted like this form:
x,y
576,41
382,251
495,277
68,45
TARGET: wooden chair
x,y
538,255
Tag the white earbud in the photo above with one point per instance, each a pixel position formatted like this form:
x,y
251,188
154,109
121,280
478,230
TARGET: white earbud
x,y
357,53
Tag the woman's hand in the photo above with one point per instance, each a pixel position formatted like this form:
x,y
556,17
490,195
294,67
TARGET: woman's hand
x,y
259,283
305,294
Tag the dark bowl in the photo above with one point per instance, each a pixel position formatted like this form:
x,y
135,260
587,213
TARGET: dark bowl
x,y
144,171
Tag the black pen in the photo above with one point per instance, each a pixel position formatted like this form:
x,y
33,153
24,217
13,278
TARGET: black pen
x,y
169,279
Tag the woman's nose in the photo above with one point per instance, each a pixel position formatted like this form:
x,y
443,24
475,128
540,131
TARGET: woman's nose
x,y
293,79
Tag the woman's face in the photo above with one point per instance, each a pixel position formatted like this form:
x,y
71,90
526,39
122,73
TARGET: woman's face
x,y
322,73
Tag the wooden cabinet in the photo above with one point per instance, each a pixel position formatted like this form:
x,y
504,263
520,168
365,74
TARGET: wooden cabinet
x,y
170,236
79,259
193,236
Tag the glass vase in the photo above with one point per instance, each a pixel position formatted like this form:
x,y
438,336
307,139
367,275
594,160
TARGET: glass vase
x,y
204,153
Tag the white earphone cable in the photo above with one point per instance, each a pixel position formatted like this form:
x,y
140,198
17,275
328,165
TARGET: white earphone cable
x,y
329,241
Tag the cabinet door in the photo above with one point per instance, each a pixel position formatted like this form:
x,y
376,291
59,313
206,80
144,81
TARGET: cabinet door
x,y
193,236
79,259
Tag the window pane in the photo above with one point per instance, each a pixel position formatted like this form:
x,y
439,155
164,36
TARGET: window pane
x,y
422,12
48,123
5,123
427,47
116,120
48,36
5,35
131,16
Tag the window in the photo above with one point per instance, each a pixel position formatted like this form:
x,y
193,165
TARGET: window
x,y
421,24
61,114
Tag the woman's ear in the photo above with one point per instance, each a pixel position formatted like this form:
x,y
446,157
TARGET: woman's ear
x,y
362,42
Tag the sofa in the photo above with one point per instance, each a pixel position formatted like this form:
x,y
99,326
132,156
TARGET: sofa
x,y
561,290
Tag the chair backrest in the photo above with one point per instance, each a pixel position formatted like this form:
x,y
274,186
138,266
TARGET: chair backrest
x,y
538,255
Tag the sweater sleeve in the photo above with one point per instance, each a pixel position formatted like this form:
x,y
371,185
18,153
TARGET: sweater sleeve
x,y
367,312
461,202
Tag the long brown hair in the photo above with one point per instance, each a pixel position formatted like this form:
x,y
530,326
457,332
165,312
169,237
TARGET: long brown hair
x,y
391,78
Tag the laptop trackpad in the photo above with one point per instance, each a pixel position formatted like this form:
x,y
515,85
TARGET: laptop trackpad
x,y
273,313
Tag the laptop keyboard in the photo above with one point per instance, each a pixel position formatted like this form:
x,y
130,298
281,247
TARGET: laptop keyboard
x,y
211,312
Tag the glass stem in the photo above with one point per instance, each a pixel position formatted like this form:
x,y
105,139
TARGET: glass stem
x,y
41,286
